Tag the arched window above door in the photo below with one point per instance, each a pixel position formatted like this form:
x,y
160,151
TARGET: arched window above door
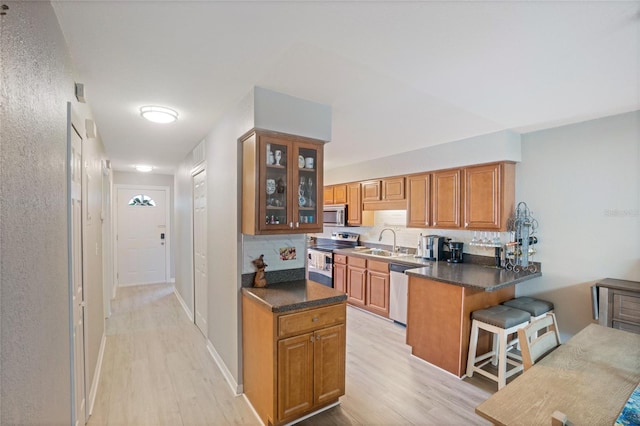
x,y
142,200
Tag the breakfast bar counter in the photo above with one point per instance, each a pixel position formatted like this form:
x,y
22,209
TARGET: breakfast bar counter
x,y
440,302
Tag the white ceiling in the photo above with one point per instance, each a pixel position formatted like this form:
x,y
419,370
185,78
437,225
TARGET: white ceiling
x,y
398,75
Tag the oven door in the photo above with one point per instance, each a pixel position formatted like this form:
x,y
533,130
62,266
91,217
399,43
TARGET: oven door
x,y
320,267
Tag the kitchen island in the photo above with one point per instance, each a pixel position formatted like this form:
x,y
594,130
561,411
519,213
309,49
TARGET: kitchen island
x,y
294,346
440,301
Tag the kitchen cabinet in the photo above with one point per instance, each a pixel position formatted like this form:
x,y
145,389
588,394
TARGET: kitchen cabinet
x,y
294,361
355,215
281,183
419,201
439,320
368,284
489,196
378,280
445,198
356,281
384,194
335,194
371,191
340,272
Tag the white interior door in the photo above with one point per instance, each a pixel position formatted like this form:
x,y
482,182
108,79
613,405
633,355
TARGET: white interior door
x,y
200,250
142,236
75,176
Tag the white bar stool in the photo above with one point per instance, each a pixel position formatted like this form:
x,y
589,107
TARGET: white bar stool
x,y
501,321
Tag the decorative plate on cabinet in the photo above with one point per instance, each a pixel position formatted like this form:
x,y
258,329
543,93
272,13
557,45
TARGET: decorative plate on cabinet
x,y
300,162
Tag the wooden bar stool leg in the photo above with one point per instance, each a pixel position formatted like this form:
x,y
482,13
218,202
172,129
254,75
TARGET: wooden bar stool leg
x,y
502,365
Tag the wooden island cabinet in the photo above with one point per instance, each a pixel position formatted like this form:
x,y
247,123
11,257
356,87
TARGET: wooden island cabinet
x,y
439,320
294,361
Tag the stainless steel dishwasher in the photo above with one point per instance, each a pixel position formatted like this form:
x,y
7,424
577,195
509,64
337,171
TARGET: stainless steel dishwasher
x,y
398,291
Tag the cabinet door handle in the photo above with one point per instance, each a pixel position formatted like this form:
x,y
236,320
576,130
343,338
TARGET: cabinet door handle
x,y
297,224
290,224
311,339
466,224
314,319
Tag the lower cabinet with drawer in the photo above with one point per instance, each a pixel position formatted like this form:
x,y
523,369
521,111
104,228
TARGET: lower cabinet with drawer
x,y
294,362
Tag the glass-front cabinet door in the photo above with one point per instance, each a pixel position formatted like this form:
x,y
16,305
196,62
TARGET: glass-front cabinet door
x,y
275,195
283,175
307,211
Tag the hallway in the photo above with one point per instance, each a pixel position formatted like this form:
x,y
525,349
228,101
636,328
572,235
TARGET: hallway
x,y
157,370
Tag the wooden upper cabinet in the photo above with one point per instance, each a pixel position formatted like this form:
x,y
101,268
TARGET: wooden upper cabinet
x,y
340,194
335,194
371,191
280,195
445,198
419,201
489,195
393,189
328,195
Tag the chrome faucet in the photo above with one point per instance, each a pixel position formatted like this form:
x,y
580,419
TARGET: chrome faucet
x,y
395,248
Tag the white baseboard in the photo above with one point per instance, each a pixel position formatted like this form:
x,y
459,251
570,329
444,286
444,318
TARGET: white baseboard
x,y
183,304
255,413
96,375
235,388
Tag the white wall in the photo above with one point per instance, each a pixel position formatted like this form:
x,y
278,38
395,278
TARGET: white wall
x,y
582,183
37,81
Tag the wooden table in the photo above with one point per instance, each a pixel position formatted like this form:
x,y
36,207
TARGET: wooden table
x,y
589,378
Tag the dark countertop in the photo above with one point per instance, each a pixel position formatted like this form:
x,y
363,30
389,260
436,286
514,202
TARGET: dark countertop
x,y
293,295
487,278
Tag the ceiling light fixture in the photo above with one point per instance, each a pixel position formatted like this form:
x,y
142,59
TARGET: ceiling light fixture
x,y
158,114
143,168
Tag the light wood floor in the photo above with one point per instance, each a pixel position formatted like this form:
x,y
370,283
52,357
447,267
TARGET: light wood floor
x,y
157,371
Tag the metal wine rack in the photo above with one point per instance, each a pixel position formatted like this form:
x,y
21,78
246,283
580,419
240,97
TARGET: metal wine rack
x,y
521,249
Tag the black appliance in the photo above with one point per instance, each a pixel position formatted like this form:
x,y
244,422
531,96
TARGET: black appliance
x,y
455,247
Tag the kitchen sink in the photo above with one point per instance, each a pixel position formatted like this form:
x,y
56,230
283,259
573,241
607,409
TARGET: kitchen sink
x,y
379,252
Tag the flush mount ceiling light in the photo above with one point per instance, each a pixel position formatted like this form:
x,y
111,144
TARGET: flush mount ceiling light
x,y
143,168
158,114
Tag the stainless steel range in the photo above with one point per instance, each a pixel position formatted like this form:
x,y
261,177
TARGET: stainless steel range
x,y
320,256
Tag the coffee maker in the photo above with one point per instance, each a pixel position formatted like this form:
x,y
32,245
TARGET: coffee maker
x,y
432,247
455,247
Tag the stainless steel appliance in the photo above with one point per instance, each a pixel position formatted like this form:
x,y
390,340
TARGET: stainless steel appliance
x,y
455,247
432,247
335,215
398,292
320,255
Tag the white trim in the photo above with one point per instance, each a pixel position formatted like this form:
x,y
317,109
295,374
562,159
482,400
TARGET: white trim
x,y
168,229
235,388
255,413
183,304
96,375
172,281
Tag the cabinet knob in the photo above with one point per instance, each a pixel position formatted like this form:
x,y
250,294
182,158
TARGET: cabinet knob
x,y
466,224
314,319
290,224
297,224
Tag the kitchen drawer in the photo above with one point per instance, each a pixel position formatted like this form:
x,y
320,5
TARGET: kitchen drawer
x,y
313,319
376,265
358,262
340,258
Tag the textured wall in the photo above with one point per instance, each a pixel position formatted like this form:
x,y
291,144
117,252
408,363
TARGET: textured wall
x,y
36,83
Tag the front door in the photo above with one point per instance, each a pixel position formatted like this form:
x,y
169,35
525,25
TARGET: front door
x,y
142,236
77,296
200,250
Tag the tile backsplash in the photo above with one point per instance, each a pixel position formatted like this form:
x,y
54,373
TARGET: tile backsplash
x,y
278,251
408,237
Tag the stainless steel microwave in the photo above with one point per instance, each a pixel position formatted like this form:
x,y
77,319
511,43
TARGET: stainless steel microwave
x,y
335,215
